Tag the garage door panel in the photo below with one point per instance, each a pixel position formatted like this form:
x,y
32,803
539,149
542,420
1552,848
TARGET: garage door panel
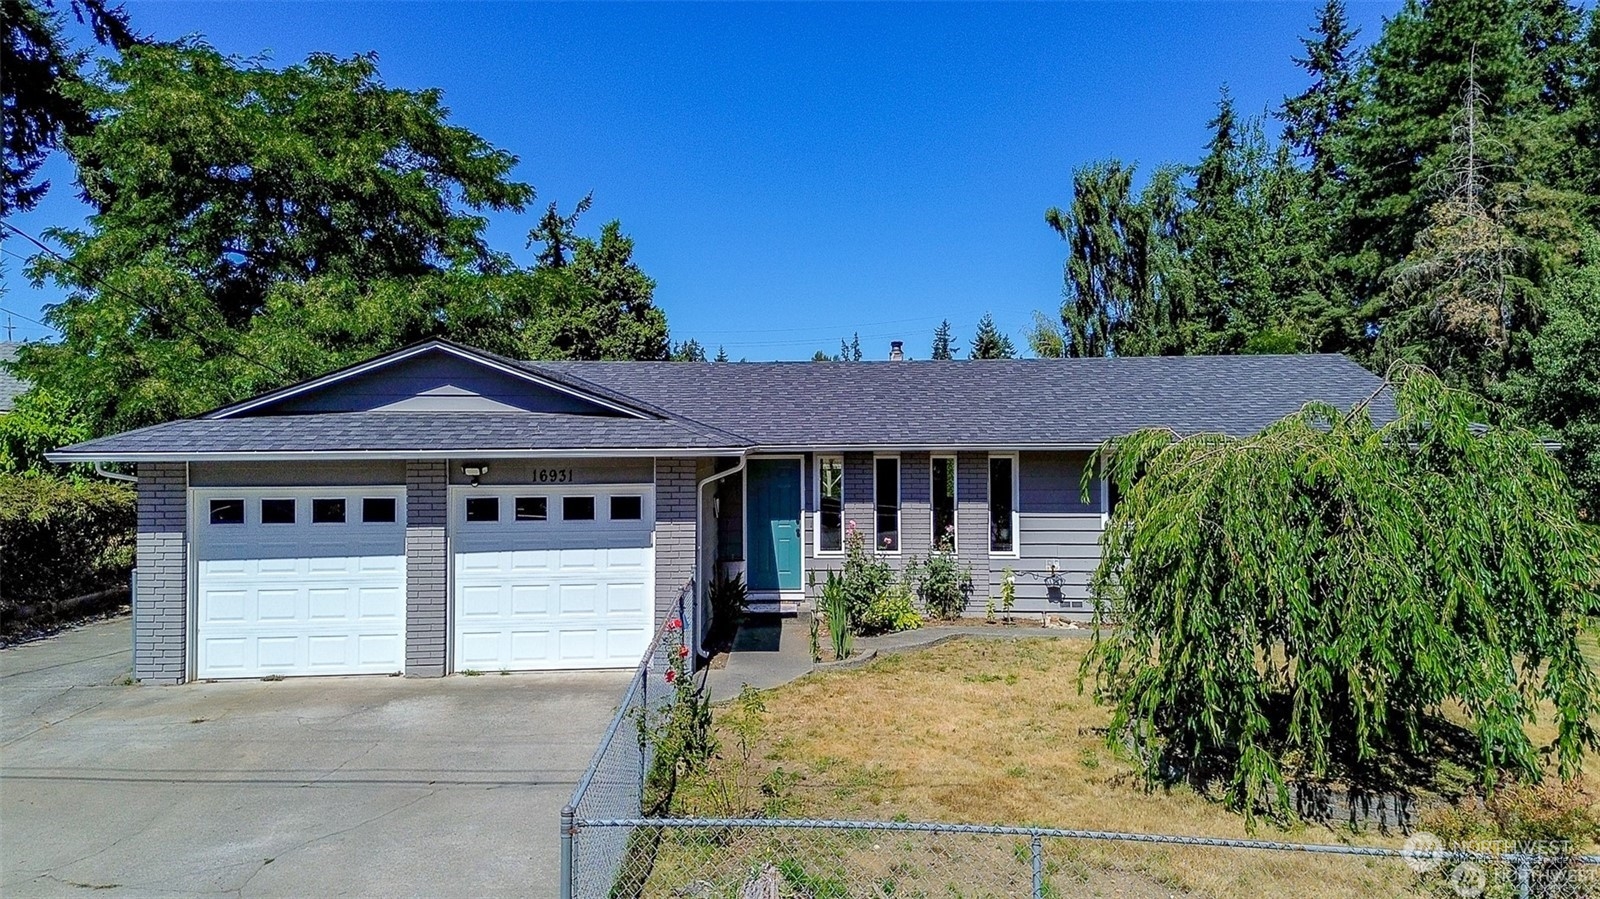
x,y
324,598
530,600
567,594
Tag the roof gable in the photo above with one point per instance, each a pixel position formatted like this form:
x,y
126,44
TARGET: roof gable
x,y
436,376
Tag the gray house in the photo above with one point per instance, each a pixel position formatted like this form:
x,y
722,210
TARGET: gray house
x,y
439,509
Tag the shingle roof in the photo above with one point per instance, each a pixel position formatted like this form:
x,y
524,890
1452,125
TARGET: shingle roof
x,y
1001,404
396,434
994,403
11,386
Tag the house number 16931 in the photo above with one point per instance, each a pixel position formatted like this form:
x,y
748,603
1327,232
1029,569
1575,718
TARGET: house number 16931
x,y
555,475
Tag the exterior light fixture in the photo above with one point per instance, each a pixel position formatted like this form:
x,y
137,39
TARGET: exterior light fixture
x,y
475,471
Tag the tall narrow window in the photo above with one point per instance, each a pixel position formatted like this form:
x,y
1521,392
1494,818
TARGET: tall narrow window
x,y
944,503
1002,504
886,502
830,504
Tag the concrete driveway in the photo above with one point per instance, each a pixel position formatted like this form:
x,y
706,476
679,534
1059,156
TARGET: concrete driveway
x,y
310,787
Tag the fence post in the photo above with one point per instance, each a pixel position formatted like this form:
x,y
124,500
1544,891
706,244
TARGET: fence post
x,y
644,724
1525,877
567,814
1038,866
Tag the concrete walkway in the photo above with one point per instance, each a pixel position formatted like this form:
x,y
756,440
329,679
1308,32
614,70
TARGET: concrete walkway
x,y
771,651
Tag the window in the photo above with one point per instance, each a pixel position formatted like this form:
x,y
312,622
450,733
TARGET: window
x,y
532,508
830,504
1003,504
227,511
483,508
327,511
626,508
377,510
886,502
277,511
577,508
944,502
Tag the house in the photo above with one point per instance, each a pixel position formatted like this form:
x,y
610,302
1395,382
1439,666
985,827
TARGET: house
x,y
439,509
11,386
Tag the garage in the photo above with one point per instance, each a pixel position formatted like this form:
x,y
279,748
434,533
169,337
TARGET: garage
x,y
551,577
299,581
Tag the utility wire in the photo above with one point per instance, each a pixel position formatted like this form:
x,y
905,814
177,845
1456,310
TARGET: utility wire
x,y
192,331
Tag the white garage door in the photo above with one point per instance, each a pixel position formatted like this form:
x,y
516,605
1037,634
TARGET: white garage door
x,y
299,581
551,578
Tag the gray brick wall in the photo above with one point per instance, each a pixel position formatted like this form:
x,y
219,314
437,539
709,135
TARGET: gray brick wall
x,y
427,568
675,529
161,606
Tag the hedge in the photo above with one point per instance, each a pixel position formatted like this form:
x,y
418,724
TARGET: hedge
x,y
61,539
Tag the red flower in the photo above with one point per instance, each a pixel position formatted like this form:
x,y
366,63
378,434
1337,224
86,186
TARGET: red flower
x,y
671,675
683,652
675,625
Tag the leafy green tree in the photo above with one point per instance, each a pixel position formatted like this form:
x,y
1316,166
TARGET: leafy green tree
x,y
1350,583
1561,388
39,63
253,226
851,351
944,345
990,342
821,356
1119,295
1046,339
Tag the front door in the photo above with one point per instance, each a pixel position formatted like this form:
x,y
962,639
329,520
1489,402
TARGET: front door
x,y
772,536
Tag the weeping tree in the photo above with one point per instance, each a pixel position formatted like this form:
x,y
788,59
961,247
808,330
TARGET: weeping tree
x,y
1324,598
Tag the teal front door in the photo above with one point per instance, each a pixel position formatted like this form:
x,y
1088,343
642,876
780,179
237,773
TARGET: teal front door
x,y
772,525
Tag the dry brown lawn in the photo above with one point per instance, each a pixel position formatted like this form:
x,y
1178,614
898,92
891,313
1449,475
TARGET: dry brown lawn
x,y
996,731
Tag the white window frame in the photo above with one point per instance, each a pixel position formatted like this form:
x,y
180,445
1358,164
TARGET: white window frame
x,y
816,516
1015,552
955,502
899,505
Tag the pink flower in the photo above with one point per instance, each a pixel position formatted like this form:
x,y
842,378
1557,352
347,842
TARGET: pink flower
x,y
683,652
851,525
671,675
675,625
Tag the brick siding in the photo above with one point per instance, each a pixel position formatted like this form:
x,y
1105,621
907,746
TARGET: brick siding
x,y
427,568
161,604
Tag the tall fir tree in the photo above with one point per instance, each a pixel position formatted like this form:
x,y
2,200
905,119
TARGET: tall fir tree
x,y
944,346
990,342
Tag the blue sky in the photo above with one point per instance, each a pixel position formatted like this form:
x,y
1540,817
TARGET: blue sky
x,y
795,173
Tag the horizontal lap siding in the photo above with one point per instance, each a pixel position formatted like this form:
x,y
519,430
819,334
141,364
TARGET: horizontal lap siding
x,y
1056,523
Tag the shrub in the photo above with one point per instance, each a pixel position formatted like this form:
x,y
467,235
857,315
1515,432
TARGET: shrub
x,y
889,611
61,539
1553,820
726,597
865,578
941,581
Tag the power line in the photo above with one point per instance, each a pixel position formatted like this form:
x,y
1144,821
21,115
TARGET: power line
x,y
148,309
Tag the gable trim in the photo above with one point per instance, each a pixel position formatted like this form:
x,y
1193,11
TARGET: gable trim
x,y
401,355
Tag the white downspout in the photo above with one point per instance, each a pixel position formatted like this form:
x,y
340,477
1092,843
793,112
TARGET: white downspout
x,y
100,469
699,522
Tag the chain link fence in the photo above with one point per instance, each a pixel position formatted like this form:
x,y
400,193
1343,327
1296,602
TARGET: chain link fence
x,y
618,841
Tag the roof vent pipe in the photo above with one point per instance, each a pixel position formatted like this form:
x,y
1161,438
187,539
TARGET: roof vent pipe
x,y
897,351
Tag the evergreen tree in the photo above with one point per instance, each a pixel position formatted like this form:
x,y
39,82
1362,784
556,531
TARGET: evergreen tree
x,y
851,351
821,356
990,343
722,355
943,344
1314,119
689,351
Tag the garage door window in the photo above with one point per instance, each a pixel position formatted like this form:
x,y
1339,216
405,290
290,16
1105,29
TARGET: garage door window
x,y
277,511
483,508
577,508
327,511
377,510
626,508
532,508
227,511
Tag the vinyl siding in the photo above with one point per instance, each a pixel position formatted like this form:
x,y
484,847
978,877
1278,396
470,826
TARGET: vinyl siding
x,y
1056,523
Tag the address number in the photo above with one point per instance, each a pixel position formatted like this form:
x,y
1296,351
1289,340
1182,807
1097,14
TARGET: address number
x,y
555,475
